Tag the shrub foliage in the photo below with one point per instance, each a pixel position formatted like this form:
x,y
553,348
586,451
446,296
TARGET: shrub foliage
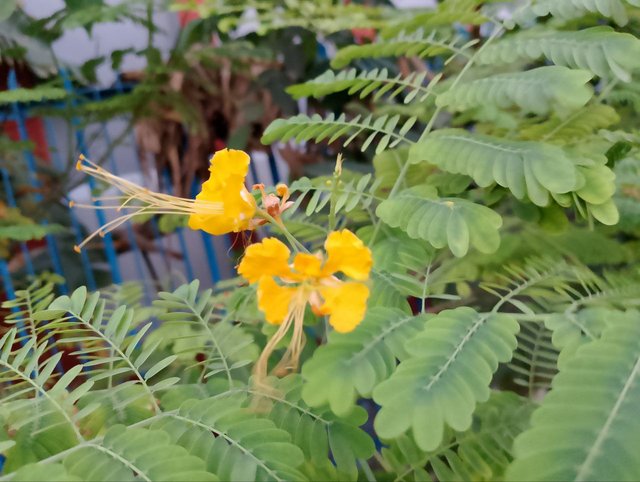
x,y
501,340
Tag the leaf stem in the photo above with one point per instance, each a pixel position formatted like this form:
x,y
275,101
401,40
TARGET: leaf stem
x,y
295,244
368,473
337,174
405,168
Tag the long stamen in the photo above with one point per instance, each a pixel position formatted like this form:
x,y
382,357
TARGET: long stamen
x,y
289,361
150,202
103,230
144,194
126,201
260,368
291,357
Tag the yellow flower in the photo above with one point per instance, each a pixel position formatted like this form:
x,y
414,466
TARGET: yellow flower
x,y
228,170
224,205
284,289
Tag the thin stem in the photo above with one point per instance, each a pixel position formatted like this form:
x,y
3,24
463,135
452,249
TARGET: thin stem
x,y
534,360
295,244
115,142
405,168
368,473
599,99
333,200
425,287
114,348
604,93
39,389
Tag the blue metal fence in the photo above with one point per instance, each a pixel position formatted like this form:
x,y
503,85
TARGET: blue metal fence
x,y
89,262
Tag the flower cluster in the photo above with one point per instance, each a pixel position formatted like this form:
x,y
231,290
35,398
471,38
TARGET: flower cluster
x,y
311,278
226,185
285,286
284,289
224,204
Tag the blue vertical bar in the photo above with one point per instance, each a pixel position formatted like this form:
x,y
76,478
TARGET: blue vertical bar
x,y
77,230
254,172
137,256
275,175
207,241
110,251
185,254
84,256
5,274
52,143
154,224
181,239
33,178
11,295
11,202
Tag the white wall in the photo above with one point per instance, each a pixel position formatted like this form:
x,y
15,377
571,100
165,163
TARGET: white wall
x,y
76,46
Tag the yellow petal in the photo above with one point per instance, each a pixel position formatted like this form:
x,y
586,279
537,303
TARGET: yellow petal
x,y
225,185
347,253
274,300
282,190
227,163
307,265
346,304
270,257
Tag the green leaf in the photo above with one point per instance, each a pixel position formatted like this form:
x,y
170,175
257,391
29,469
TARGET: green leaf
x,y
352,191
365,83
412,45
158,367
390,162
538,91
48,472
303,128
191,325
600,50
318,431
526,168
599,184
134,454
535,362
446,13
354,363
587,426
6,9
236,444
42,434
6,445
452,222
614,9
579,125
617,152
89,314
36,94
448,370
607,213
26,232
168,223
572,330
481,453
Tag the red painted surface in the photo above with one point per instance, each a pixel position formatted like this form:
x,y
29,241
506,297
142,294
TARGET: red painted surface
x,y
186,16
362,35
35,132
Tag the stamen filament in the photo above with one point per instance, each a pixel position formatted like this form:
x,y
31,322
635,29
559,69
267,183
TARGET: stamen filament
x,y
103,230
151,202
292,356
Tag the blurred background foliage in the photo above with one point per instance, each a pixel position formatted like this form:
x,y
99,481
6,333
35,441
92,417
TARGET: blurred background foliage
x,y
218,86
560,257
